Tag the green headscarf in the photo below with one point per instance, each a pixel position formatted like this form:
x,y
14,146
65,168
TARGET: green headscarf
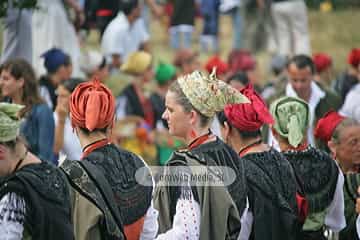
x,y
292,117
164,72
9,121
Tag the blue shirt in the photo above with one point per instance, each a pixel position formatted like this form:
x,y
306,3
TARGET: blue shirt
x,y
38,129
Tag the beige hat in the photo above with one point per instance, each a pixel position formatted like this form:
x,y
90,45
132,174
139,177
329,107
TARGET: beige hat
x,y
137,63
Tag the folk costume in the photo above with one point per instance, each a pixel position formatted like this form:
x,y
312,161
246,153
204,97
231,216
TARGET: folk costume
x,y
272,186
324,131
34,200
109,202
203,211
322,179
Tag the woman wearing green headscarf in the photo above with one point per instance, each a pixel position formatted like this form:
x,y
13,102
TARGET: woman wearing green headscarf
x,y
322,179
34,198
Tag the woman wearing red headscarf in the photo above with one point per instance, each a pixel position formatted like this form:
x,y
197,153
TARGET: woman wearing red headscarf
x,y
342,135
106,174
274,210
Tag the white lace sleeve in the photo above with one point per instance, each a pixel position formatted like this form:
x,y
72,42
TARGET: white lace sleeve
x,y
12,216
246,223
186,224
335,218
151,226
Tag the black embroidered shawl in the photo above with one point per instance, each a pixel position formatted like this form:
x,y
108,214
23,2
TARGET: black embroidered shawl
x,y
319,174
47,200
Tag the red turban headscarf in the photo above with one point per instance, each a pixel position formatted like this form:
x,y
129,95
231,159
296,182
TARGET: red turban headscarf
x,y
251,116
220,65
326,125
322,61
92,106
354,57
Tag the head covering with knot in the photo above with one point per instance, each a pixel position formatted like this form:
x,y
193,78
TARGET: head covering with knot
x,y
326,125
248,117
53,59
207,94
9,121
92,106
137,63
322,61
216,62
292,117
354,57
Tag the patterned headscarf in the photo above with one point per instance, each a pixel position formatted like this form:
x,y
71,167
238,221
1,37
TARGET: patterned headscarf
x,y
292,117
92,106
9,121
249,117
208,94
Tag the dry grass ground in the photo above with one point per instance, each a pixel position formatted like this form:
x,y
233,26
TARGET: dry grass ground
x,y
333,32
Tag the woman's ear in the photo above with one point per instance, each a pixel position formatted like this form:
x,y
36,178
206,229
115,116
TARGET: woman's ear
x,y
332,146
193,117
3,151
20,82
227,130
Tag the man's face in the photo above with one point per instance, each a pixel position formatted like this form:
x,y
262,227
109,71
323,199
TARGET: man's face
x,y
300,80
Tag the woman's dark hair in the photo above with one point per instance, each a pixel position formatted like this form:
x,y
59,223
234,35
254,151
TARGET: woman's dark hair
x,y
302,61
127,6
239,77
185,103
20,68
243,134
71,84
67,61
12,144
87,131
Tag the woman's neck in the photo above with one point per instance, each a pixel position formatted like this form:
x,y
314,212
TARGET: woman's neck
x,y
285,146
17,99
348,168
26,158
250,145
196,133
86,140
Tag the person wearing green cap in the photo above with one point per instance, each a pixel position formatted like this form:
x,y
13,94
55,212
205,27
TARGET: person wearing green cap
x,y
165,74
34,196
323,181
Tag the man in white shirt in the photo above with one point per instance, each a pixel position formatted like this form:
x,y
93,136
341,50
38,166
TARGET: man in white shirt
x,y
125,34
301,84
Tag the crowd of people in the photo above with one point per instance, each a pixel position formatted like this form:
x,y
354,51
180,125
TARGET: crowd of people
x,y
77,155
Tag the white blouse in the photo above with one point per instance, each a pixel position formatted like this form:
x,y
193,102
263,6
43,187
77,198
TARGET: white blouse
x,y
12,216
